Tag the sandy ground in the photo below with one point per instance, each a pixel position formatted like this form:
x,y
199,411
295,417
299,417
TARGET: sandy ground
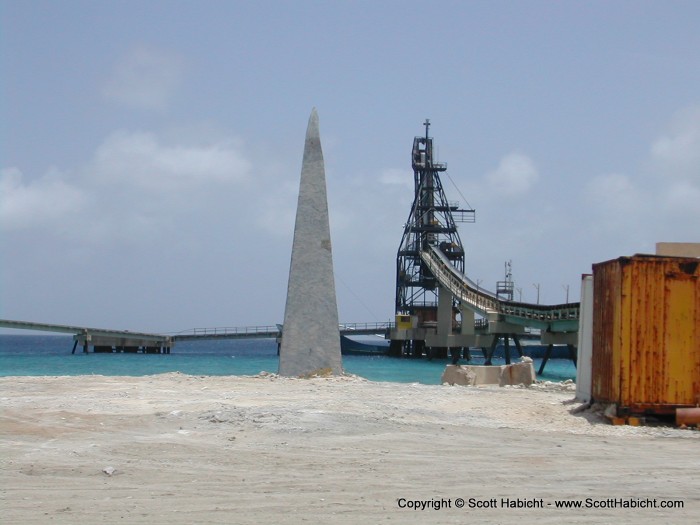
x,y
195,450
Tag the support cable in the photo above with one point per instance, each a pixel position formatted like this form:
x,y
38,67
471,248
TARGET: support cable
x,y
460,193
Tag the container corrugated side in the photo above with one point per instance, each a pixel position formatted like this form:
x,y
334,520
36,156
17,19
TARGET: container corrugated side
x,y
646,333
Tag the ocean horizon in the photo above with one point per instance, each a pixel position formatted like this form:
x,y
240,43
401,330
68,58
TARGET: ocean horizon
x,y
50,355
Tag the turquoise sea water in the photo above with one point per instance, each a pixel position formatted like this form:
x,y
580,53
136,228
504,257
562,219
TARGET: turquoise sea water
x,y
30,355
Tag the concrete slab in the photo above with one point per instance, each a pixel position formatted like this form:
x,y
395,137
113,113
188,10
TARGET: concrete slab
x,y
473,375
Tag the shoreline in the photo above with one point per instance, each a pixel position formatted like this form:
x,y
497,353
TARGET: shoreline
x,y
249,449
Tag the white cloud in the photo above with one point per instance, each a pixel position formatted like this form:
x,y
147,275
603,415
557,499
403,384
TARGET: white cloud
x,y
397,177
145,78
277,212
676,155
622,215
676,166
658,203
515,175
142,161
40,203
683,198
134,187
614,193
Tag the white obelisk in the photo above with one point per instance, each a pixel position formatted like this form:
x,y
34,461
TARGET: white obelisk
x,y
310,335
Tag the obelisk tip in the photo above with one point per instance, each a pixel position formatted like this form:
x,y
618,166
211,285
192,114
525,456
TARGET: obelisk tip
x,y
312,128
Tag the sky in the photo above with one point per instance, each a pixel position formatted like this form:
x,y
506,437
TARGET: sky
x,y
150,152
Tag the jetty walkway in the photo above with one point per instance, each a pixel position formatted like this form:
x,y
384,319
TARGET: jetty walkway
x,y
111,340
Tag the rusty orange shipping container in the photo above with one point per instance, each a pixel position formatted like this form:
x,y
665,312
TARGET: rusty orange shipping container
x,y
646,334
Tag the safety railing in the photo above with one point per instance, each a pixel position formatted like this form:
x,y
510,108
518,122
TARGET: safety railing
x,y
231,330
273,330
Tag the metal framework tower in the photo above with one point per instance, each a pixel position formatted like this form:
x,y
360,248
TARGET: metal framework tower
x,y
432,222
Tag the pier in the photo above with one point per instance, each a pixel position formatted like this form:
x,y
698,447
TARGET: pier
x,y
101,339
